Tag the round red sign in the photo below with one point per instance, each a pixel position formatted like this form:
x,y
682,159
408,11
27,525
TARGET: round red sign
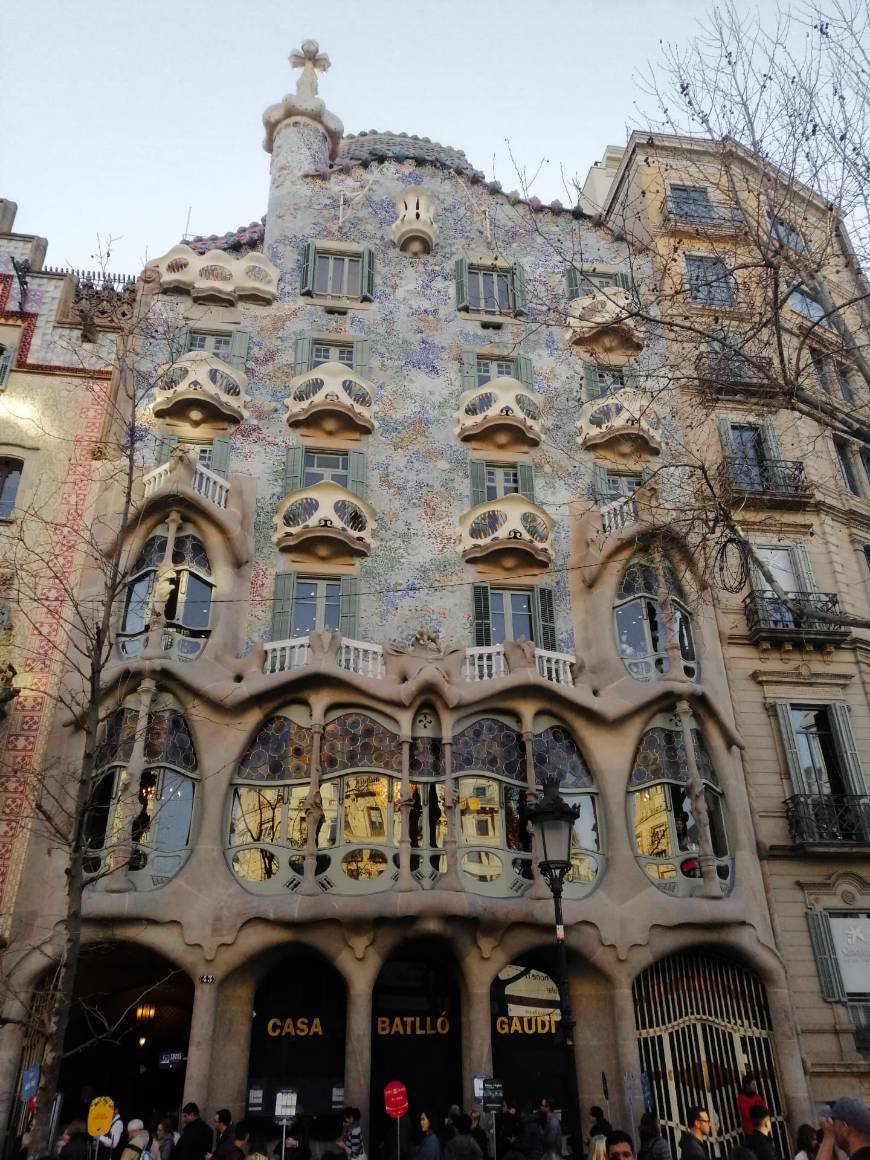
x,y
395,1099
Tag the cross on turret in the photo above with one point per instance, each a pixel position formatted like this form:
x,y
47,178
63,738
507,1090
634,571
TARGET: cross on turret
x,y
312,61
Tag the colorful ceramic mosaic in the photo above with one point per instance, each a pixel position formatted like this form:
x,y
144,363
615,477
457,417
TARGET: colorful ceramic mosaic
x,y
661,756
281,751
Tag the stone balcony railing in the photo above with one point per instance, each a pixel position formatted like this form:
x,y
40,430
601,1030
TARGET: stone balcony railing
x,y
333,398
325,521
768,618
512,532
713,217
769,483
625,416
604,321
181,469
216,276
503,411
621,513
822,819
198,388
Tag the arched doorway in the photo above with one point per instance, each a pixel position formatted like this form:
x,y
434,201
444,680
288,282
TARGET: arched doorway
x,y
528,1050
702,1023
416,1034
128,1032
297,1039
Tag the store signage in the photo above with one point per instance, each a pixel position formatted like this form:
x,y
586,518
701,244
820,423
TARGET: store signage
x,y
255,1099
493,1095
526,1024
851,935
413,1025
169,1060
100,1116
395,1099
30,1083
285,1105
300,1027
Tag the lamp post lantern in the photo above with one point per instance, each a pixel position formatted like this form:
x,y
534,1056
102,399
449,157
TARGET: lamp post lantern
x,y
553,821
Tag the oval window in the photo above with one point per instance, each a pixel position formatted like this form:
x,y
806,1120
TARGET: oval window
x,y
482,865
363,865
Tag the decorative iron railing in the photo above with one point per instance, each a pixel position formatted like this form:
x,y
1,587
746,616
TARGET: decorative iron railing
x,y
828,818
713,215
768,476
767,613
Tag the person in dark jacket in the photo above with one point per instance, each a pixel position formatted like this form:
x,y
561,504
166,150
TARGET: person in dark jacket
x,y
693,1144
76,1143
530,1140
463,1146
430,1145
226,1147
599,1125
196,1136
478,1133
758,1140
653,1145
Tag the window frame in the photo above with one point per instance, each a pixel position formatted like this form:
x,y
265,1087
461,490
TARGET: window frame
x,y
819,317
333,252
510,365
322,598
181,592
210,338
11,474
843,740
844,455
341,347
654,663
500,470
328,474
688,211
714,296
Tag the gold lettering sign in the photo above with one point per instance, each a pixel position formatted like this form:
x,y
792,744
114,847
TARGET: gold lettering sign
x,y
412,1025
300,1027
526,1024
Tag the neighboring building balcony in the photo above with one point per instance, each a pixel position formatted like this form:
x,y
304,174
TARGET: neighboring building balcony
x,y
604,321
331,400
502,413
200,388
730,376
770,620
828,819
624,417
215,276
511,532
183,471
710,217
325,522
765,483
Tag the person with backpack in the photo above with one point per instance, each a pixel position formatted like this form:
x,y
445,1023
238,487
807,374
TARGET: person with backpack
x,y
138,1146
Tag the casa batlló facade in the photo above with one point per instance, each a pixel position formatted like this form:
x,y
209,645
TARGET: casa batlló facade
x,y
391,561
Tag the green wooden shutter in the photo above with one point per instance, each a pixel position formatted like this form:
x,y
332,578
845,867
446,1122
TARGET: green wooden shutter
x,y
630,375
526,480
357,473
367,293
348,622
848,750
825,954
6,356
591,382
572,280
789,744
521,302
544,617
803,569
302,355
647,473
468,369
309,261
163,448
477,472
293,465
625,282
725,437
240,340
179,342
362,357
282,605
524,371
220,455
770,441
601,484
461,278
482,617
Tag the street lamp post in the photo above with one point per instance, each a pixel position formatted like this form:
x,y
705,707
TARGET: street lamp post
x,y
553,821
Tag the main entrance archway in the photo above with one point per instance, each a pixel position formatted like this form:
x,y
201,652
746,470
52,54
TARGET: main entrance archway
x,y
702,1023
416,1034
528,1051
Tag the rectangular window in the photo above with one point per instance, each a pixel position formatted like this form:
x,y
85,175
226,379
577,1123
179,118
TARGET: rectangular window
x,y
10,477
710,283
847,467
341,352
621,485
607,380
216,344
329,465
501,480
819,759
511,614
337,275
494,368
691,201
316,606
490,291
821,370
842,376
805,305
787,234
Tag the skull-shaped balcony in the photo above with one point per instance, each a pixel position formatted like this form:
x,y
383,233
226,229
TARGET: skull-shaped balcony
x,y
623,420
511,533
201,390
324,522
414,231
604,322
216,277
331,400
502,414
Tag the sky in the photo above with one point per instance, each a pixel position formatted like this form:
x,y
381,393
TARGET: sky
x,y
139,120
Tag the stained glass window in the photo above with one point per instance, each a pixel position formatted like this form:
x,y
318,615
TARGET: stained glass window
x,y
490,746
118,738
281,751
356,741
152,554
556,754
427,758
168,740
661,756
188,552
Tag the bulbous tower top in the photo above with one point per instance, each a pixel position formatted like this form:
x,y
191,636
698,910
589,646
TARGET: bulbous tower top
x,y
304,104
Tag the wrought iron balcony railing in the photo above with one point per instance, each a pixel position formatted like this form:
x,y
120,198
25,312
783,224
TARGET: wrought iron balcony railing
x,y
768,616
769,480
715,216
828,818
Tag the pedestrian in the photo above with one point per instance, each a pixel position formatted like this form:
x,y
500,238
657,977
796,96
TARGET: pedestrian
x,y
531,1137
759,1141
430,1145
598,1148
196,1137
165,1142
108,1143
351,1141
807,1143
741,1152
508,1125
76,1143
693,1142
551,1130
620,1146
138,1146
600,1125
653,1145
747,1099
226,1147
851,1127
463,1146
478,1134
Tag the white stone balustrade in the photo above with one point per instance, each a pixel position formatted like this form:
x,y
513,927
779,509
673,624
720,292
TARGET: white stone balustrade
x,y
215,276
333,395
625,416
414,231
512,530
503,409
325,520
284,655
622,513
199,387
603,319
485,663
357,656
182,470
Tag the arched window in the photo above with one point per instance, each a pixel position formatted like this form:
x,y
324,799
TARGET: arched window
x,y
555,753
179,581
10,477
660,808
643,626
161,826
427,817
